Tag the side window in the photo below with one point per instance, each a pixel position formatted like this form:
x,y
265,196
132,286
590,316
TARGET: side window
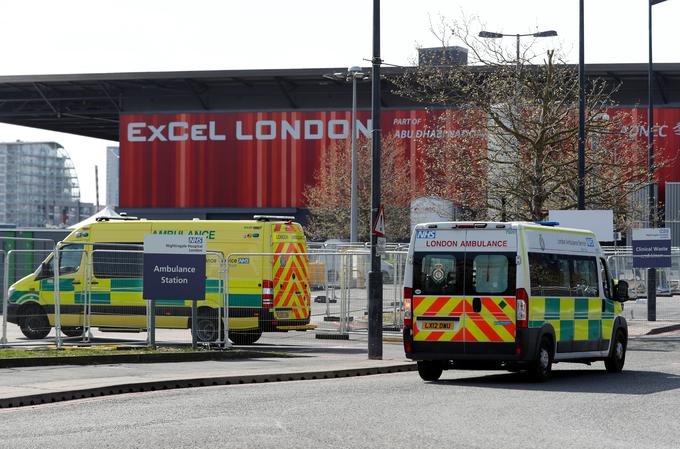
x,y
438,274
549,274
606,280
584,276
492,274
117,262
70,258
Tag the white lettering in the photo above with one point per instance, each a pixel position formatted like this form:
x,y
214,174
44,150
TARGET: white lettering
x,y
157,133
239,132
178,137
344,129
293,131
365,129
260,135
135,132
198,132
213,134
308,129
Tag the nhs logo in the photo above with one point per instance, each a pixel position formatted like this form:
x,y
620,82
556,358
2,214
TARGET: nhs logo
x,y
426,234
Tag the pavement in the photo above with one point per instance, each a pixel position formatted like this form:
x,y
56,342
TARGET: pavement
x,y
304,358
315,359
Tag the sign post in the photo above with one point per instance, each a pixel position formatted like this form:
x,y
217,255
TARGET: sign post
x,y
379,231
174,269
651,250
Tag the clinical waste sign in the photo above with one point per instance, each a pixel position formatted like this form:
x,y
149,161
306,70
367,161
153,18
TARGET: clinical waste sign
x,y
652,248
174,267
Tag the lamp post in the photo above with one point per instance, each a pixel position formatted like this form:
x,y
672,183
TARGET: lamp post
x,y
493,35
375,283
581,177
353,74
651,273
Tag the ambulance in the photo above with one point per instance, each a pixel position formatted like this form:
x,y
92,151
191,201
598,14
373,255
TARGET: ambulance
x,y
102,264
516,296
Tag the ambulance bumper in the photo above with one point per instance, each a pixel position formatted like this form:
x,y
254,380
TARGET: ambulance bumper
x,y
268,323
12,313
522,350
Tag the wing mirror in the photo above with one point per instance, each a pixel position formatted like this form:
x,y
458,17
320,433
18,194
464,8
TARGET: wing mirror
x,y
621,291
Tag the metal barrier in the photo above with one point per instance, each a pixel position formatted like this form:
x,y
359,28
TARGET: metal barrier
x,y
333,300
667,290
23,266
97,289
100,287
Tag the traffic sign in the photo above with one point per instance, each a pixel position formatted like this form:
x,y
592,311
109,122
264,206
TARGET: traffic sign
x,y
174,267
379,228
652,248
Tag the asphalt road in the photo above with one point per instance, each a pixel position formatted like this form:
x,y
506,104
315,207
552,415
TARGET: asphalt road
x,y
581,407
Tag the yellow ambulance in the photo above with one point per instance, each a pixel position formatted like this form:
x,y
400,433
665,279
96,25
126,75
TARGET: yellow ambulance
x,y
101,265
515,296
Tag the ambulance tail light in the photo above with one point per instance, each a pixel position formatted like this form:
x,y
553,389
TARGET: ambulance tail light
x,y
408,304
522,308
267,294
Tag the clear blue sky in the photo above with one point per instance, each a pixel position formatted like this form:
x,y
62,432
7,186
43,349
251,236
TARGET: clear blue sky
x,y
78,36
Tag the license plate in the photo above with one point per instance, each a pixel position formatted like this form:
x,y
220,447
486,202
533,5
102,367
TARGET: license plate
x,y
437,325
283,314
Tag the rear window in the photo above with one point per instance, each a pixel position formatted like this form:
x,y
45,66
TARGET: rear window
x,y
459,274
439,274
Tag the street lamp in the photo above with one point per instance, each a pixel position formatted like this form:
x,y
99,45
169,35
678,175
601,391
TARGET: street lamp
x,y
353,74
651,273
493,35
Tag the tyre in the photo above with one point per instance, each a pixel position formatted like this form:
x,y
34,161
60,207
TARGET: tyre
x,y
206,329
614,363
33,322
245,337
72,331
430,371
542,367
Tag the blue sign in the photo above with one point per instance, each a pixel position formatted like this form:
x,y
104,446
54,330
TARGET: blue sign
x,y
651,248
174,267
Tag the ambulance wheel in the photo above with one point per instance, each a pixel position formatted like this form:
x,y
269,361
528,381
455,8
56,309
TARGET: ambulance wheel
x,y
72,331
206,329
541,367
245,337
614,363
33,322
430,371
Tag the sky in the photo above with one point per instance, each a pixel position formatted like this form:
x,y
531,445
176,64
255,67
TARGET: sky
x,y
86,36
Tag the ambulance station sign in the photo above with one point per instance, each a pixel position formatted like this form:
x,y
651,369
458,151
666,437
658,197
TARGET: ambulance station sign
x,y
652,248
174,267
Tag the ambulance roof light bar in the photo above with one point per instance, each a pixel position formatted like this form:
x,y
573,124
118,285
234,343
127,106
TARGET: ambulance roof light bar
x,y
547,223
273,218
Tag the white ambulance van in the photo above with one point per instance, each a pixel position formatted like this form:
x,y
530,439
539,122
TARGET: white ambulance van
x,y
516,296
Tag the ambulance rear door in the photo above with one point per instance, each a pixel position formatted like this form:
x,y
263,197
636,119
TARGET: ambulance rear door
x,y
490,285
438,290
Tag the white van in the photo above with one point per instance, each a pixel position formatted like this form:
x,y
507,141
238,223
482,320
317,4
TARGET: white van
x,y
516,296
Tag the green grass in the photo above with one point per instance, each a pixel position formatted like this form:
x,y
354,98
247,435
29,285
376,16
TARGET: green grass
x,y
13,353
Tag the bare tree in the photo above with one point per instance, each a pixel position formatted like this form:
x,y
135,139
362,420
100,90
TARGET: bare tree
x,y
329,199
523,159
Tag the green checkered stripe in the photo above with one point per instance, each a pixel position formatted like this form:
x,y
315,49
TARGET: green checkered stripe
x,y
573,318
134,286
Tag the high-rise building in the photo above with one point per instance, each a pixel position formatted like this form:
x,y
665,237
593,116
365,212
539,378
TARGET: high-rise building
x,y
112,175
38,185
